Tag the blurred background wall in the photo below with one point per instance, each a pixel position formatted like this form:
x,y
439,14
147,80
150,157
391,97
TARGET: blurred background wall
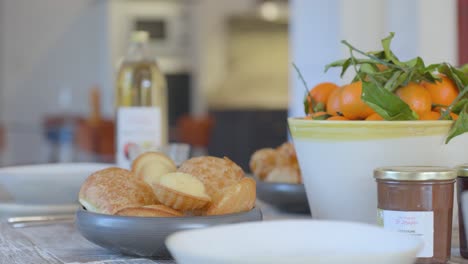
x,y
229,59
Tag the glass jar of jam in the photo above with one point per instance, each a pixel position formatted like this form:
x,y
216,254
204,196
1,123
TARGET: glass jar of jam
x,y
418,201
462,186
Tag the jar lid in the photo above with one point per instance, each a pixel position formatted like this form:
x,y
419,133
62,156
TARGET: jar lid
x,y
415,173
463,170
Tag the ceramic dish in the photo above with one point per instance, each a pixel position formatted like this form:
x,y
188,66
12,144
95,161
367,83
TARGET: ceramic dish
x,y
42,189
284,196
293,242
338,178
145,236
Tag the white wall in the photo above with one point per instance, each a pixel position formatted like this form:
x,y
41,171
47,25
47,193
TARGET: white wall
x,y
209,45
48,46
318,26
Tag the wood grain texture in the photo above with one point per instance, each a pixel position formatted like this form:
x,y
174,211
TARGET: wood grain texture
x,y
62,244
56,244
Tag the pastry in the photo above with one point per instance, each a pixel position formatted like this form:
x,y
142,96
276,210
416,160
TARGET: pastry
x,y
152,165
284,174
181,191
157,210
236,198
215,173
286,155
110,190
263,161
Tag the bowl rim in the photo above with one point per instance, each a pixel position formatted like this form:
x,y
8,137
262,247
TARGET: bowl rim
x,y
361,130
81,210
175,237
302,120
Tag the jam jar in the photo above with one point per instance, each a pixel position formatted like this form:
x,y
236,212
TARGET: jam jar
x,y
462,186
418,200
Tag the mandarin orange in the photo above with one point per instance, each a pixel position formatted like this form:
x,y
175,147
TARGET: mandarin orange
x,y
442,92
431,115
352,106
320,93
416,96
333,105
375,117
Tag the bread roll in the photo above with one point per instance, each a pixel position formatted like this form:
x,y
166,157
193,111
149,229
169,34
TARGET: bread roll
x,y
215,173
181,191
263,161
284,174
158,210
110,190
152,165
286,155
236,198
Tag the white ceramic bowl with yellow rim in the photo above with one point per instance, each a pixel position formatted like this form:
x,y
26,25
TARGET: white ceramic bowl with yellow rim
x,y
337,159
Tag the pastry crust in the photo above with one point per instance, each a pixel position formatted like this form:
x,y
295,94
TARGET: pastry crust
x,y
166,164
286,155
263,161
215,173
110,190
158,210
237,198
181,191
284,174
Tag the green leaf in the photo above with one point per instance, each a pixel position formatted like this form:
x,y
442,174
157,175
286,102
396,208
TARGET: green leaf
x,y
385,103
306,105
415,63
368,68
338,63
458,107
392,83
345,66
460,126
464,69
456,75
388,52
319,107
378,54
402,80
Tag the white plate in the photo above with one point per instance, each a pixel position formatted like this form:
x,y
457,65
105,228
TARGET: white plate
x,y
293,241
43,189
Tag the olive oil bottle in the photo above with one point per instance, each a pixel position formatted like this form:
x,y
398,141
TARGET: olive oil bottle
x,y
141,102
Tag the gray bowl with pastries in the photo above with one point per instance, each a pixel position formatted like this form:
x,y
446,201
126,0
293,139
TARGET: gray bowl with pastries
x,y
132,212
145,236
279,179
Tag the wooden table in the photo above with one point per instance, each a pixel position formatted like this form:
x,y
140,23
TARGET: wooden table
x,y
62,244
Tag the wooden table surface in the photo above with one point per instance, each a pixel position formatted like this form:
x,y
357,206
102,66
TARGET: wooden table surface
x,y
60,243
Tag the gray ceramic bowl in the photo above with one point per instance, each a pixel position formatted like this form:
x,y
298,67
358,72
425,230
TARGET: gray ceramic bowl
x,y
284,196
145,236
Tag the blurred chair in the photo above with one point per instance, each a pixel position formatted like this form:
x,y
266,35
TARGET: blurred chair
x,y
95,142
95,136
195,131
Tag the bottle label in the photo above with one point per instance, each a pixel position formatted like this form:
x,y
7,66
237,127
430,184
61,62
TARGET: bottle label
x,y
413,223
137,128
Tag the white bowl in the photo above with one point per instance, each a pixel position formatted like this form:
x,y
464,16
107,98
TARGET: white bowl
x,y
337,159
44,188
293,241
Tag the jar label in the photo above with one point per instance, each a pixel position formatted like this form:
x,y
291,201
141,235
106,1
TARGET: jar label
x,y
137,128
414,223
